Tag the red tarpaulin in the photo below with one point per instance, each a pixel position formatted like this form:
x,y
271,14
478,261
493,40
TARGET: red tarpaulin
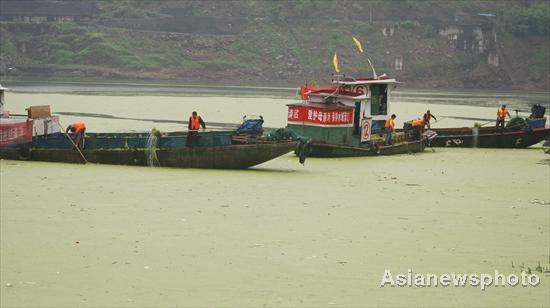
x,y
15,133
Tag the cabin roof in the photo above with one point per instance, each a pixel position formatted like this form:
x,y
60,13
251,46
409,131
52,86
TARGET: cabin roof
x,y
328,106
339,94
356,81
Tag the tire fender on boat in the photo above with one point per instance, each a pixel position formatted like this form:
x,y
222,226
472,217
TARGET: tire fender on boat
x,y
24,153
303,149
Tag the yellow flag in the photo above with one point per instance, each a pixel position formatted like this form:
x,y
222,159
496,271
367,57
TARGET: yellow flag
x,y
335,62
357,43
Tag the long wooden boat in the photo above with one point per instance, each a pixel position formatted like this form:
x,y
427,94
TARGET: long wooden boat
x,y
214,150
39,136
490,137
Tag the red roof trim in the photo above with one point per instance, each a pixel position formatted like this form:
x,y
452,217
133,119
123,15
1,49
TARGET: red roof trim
x,y
331,106
337,94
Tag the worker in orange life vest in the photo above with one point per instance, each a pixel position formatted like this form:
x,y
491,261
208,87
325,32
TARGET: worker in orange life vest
x,y
427,117
418,124
389,128
78,130
195,123
502,112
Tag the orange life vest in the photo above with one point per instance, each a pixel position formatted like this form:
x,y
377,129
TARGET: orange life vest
x,y
502,113
78,127
195,122
418,123
389,123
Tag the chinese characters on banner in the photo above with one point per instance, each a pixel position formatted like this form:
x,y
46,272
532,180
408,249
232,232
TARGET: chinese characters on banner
x,y
320,116
15,133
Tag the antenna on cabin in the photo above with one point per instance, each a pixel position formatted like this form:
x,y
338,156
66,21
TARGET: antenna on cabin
x,y
373,71
360,47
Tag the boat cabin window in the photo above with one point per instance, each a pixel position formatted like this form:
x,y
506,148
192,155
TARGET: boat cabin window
x,y
379,99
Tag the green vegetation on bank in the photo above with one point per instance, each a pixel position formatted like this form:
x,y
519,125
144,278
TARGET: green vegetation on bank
x,y
531,20
281,42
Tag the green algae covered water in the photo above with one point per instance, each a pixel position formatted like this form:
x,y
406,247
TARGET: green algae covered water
x,y
280,234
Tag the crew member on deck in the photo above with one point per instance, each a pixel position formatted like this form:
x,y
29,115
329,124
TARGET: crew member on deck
x,y
502,112
418,126
389,127
427,117
195,123
78,130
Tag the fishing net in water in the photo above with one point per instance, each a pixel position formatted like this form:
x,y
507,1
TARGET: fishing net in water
x,y
151,148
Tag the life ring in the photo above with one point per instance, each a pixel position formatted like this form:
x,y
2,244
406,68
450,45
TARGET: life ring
x,y
24,153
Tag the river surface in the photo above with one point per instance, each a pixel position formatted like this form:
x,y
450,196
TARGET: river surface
x,y
279,234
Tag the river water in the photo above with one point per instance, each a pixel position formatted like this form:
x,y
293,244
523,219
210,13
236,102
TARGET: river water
x,y
279,234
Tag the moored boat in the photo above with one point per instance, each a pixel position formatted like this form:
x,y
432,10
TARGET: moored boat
x,y
39,137
488,137
215,149
518,133
348,119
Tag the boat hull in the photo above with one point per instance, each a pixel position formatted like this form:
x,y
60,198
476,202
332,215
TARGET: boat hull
x,y
214,151
488,138
215,157
333,150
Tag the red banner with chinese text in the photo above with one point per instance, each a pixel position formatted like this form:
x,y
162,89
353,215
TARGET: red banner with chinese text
x,y
318,116
15,133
